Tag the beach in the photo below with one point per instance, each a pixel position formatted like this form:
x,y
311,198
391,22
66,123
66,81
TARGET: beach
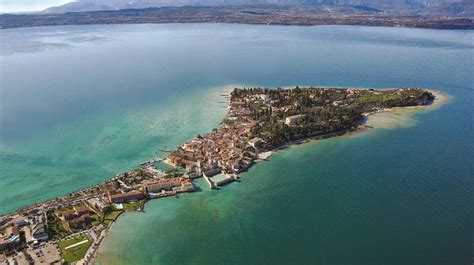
x,y
403,117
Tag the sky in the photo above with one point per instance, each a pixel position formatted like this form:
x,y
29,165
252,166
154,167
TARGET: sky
x,y
10,6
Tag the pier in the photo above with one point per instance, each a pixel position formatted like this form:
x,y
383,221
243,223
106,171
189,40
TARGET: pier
x,y
211,184
222,179
218,180
165,150
150,162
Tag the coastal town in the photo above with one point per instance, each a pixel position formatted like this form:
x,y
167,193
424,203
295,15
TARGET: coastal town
x,y
306,15
69,229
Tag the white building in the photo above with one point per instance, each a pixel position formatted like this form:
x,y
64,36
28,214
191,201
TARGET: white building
x,y
293,120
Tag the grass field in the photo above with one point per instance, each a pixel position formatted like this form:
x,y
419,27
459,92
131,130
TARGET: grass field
x,y
131,206
109,217
367,96
74,249
96,219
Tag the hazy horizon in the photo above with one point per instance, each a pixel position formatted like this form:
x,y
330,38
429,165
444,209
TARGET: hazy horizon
x,y
19,6
61,6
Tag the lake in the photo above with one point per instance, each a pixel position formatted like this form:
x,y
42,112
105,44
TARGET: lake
x,y
80,104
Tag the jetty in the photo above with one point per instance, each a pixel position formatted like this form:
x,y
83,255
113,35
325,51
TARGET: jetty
x,y
150,162
218,180
165,150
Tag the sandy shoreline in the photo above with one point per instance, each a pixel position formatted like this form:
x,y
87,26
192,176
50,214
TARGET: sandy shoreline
x,y
403,116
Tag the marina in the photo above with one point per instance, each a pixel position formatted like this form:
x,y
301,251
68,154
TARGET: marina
x,y
218,180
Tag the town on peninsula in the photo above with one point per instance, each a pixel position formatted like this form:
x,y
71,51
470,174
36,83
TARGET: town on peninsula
x,y
259,121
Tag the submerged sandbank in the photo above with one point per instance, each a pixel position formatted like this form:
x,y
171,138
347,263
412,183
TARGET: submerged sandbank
x,y
404,116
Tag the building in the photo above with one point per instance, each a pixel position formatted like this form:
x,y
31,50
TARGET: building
x,y
125,197
264,97
39,228
162,184
81,221
11,239
72,215
294,120
69,215
191,175
256,142
98,204
187,186
20,221
211,172
83,210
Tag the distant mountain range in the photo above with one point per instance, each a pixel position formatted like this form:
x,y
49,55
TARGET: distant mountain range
x,y
464,8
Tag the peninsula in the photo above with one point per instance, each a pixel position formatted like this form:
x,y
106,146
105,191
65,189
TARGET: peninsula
x,y
69,229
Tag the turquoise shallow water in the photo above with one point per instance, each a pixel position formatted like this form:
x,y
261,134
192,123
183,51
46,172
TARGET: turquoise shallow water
x,y
82,103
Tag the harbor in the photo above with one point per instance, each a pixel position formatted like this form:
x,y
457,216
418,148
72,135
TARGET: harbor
x,y
218,180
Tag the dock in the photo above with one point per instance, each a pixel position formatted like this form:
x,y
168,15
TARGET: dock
x,y
150,162
218,180
211,184
165,150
